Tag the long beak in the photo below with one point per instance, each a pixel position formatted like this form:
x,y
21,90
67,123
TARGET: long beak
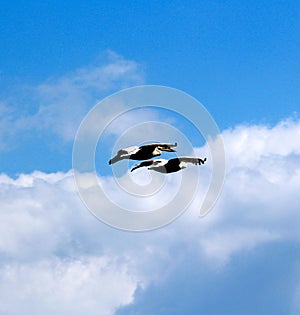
x,y
168,149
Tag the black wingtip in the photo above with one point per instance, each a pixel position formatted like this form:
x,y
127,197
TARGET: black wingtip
x,y
201,161
109,162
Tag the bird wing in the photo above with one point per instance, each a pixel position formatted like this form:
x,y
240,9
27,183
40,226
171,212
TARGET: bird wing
x,y
191,159
167,145
129,150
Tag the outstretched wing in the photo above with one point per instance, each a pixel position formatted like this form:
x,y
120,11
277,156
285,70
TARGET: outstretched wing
x,y
163,145
191,159
123,154
129,150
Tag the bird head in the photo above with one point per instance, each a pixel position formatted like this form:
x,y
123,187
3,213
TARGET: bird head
x,y
166,148
145,163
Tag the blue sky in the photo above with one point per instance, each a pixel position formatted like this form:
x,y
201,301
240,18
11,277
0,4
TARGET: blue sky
x,y
239,59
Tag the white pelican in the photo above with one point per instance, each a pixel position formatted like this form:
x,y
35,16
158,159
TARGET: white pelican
x,y
170,166
143,152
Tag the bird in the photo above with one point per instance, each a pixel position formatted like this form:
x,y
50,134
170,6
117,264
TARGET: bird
x,y
170,166
143,152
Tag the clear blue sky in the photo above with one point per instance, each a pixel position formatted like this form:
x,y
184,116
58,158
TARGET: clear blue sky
x,y
238,58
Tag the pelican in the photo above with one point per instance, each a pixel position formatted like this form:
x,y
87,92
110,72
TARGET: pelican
x,y
143,152
170,166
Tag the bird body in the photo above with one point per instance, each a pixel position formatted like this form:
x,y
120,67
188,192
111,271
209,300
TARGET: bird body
x,y
143,152
170,166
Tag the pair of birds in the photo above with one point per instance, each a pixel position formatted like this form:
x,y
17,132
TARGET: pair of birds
x,y
148,151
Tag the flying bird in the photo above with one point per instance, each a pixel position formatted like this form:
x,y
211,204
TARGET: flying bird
x,y
170,166
143,152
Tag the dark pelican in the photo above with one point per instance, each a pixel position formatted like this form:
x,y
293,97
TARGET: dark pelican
x,y
143,152
170,166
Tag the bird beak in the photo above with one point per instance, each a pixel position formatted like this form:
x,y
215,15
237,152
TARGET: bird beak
x,y
168,149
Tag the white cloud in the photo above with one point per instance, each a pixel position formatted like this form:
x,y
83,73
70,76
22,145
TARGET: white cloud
x,y
253,145
220,245
92,285
259,202
47,236
58,105
53,255
65,101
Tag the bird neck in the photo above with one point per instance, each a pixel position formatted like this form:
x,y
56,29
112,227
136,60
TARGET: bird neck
x,y
156,152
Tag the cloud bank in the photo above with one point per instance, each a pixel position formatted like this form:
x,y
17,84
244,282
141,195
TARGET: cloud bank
x,y
56,258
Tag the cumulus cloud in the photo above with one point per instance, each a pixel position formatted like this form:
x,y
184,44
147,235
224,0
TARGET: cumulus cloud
x,y
91,285
259,202
47,235
54,257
